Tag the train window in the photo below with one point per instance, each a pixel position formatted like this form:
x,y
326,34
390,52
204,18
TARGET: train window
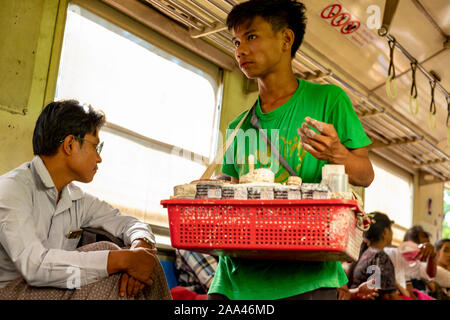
x,y
161,112
391,192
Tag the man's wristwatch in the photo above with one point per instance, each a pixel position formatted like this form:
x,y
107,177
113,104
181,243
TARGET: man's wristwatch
x,y
148,241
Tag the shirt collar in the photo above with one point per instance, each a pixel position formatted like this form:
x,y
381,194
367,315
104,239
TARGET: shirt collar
x,y
72,191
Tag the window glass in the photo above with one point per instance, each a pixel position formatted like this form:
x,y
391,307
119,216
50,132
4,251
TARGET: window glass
x,y
153,101
391,192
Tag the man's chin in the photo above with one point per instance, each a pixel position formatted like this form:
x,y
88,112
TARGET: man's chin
x,y
87,179
251,75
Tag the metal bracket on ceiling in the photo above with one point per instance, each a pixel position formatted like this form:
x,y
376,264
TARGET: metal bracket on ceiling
x,y
389,12
208,31
317,75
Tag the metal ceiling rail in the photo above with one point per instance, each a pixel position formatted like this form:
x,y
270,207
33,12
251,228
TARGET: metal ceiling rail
x,y
206,11
359,94
419,66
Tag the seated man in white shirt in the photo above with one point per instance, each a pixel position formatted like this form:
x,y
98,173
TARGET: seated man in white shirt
x,y
42,214
424,268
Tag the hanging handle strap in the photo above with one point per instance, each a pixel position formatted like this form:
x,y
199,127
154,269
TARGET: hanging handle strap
x,y
448,110
390,82
448,118
219,156
413,94
255,122
432,105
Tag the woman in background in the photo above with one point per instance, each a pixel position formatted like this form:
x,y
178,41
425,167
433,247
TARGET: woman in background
x,y
374,265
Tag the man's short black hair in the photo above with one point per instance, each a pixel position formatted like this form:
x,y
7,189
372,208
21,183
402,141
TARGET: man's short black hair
x,y
440,243
413,234
279,13
60,119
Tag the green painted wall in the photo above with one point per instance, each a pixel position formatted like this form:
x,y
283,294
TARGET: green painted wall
x,y
30,42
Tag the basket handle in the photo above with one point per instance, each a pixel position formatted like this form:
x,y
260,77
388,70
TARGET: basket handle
x,y
213,165
362,218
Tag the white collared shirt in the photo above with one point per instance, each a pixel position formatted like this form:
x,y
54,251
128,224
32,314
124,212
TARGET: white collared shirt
x,y
404,271
443,277
33,229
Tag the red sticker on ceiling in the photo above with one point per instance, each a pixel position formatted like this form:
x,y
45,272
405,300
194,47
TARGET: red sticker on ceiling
x,y
343,21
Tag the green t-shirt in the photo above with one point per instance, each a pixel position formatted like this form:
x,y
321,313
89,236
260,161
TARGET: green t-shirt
x,y
241,279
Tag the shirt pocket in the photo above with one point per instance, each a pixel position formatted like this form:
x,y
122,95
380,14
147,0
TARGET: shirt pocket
x,y
71,244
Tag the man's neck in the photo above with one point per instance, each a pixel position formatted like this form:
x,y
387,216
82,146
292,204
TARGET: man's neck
x,y
276,89
57,172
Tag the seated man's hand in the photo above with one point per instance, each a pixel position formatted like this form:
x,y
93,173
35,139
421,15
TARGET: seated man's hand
x,y
129,285
139,271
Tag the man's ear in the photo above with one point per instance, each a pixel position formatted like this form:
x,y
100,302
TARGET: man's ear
x,y
67,144
288,38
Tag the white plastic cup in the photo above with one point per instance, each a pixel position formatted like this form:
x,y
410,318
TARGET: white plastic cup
x,y
337,182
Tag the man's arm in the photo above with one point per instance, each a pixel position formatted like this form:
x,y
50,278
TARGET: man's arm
x,y
40,266
327,146
100,214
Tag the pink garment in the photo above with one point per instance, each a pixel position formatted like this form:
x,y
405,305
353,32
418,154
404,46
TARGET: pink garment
x,y
420,296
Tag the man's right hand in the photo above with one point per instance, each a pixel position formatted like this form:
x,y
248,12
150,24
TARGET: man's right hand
x,y
138,264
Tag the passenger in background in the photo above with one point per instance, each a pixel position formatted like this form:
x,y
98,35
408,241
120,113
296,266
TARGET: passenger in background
x,y
408,273
195,270
440,287
373,263
42,213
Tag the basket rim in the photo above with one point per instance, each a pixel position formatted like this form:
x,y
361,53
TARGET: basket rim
x,y
255,202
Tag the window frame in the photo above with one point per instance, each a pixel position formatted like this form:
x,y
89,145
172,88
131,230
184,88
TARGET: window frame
x,y
212,72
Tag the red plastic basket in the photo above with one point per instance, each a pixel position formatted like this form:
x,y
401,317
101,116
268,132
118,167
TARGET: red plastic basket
x,y
307,229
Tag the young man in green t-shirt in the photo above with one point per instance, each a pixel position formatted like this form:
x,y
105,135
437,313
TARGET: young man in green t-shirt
x,y
266,35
